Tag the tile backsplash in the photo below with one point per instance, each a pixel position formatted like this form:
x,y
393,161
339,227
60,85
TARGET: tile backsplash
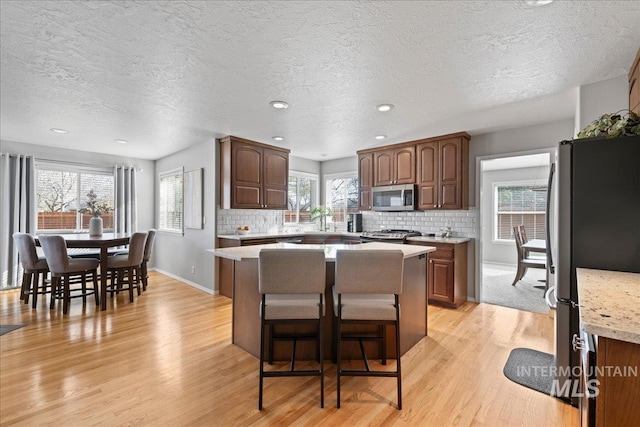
x,y
463,223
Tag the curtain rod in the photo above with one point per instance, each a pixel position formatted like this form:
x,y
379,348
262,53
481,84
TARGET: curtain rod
x,y
64,162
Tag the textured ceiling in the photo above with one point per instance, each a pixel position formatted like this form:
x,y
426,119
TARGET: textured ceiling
x,y
165,75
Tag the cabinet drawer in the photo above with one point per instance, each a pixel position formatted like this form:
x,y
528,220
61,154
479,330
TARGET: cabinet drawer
x,y
257,242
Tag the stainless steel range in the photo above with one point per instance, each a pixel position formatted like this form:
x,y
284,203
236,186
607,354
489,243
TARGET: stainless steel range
x,y
388,236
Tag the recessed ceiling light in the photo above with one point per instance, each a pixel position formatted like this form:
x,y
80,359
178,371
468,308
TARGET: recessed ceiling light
x,y
121,141
384,107
381,136
278,138
538,2
56,130
280,105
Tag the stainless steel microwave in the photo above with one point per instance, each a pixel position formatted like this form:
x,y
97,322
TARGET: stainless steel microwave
x,y
394,198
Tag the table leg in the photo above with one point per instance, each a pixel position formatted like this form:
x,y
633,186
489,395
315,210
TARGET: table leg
x,y
103,277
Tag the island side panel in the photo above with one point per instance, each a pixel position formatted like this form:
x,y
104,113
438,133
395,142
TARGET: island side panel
x,y
413,304
246,306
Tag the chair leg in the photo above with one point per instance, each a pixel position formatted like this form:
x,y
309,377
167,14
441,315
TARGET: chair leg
x,y
270,340
338,352
130,276
518,275
54,290
383,334
144,275
84,288
398,358
34,303
321,351
96,290
26,287
138,281
262,325
66,294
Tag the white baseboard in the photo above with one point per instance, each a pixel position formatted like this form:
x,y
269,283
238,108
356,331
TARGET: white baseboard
x,y
185,281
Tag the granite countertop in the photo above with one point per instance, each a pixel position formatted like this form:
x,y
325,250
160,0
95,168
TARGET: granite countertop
x,y
285,234
433,239
241,253
610,304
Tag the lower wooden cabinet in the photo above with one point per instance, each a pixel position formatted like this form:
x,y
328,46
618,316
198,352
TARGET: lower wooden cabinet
x,y
447,273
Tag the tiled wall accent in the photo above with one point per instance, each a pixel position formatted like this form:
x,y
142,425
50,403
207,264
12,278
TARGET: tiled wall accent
x,y
260,221
462,223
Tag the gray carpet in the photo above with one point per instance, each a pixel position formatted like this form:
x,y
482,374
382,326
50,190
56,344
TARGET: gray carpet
x,y
527,294
4,329
531,368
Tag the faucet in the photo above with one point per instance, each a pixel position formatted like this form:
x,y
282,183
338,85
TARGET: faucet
x,y
446,232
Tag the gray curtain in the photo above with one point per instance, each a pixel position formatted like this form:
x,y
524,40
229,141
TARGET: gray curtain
x,y
125,216
17,212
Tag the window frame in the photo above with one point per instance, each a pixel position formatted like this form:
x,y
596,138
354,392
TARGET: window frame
x,y
170,172
78,169
315,203
339,175
494,214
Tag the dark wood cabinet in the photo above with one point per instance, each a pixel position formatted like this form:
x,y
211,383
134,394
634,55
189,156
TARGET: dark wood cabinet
x,y
446,273
634,85
252,175
365,177
394,166
443,173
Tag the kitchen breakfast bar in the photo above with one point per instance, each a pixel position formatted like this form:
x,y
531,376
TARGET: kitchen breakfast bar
x,y
246,300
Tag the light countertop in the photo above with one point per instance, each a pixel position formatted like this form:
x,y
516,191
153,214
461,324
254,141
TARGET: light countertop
x,y
241,253
610,304
277,235
433,239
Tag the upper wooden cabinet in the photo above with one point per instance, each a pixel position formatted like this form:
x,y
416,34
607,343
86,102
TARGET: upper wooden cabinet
x,y
443,173
365,175
394,166
634,85
252,175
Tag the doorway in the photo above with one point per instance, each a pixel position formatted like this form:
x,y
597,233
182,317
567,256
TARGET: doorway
x,y
513,192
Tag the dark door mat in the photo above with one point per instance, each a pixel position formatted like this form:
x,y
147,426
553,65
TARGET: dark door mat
x,y
531,368
8,328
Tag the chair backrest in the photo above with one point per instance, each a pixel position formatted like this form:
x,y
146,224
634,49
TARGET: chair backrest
x,y
136,247
517,236
26,245
369,271
523,234
291,271
55,251
148,247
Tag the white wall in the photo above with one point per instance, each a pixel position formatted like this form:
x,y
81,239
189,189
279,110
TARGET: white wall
x,y
304,165
596,99
145,178
176,254
502,252
345,164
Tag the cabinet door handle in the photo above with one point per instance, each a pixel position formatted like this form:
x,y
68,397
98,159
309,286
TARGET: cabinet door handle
x,y
435,206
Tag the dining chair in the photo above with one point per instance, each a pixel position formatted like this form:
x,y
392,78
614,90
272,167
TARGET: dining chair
x,y
130,264
32,268
366,291
291,283
63,269
524,260
148,249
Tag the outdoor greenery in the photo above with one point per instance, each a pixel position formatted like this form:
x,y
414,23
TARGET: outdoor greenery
x,y
93,206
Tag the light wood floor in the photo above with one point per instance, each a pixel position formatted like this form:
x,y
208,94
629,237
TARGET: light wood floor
x,y
167,360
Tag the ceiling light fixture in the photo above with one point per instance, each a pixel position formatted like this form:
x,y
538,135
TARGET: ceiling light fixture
x,y
280,105
278,138
57,130
384,107
538,2
121,141
381,136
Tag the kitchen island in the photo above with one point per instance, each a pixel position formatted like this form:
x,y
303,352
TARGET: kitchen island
x,y
246,299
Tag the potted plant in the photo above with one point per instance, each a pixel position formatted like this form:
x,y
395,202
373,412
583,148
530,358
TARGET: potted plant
x,y
320,213
96,209
612,126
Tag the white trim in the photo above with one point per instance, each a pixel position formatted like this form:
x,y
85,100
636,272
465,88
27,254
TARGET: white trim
x,y
160,175
315,203
302,174
186,282
353,174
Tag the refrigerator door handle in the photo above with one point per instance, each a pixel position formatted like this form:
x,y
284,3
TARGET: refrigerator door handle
x,y
550,265
551,302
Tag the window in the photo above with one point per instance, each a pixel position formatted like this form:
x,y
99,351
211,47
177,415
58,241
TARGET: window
x,y
518,204
342,195
62,193
170,206
303,197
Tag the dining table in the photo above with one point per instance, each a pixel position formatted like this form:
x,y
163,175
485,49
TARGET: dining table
x,y
102,242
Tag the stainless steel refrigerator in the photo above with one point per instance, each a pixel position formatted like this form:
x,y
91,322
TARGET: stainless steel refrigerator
x,y
598,204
